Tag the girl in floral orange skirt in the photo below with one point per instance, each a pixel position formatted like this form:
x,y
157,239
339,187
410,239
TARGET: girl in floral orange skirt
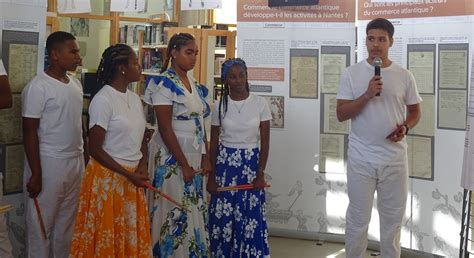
x,y
113,218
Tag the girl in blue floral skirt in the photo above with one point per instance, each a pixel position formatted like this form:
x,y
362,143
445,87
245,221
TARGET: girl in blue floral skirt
x,y
240,135
177,151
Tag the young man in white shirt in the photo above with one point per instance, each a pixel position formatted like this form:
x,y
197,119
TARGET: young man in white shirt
x,y
53,140
377,153
5,102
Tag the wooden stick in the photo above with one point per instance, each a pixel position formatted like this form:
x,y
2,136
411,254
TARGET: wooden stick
x,y
167,197
238,187
40,218
5,208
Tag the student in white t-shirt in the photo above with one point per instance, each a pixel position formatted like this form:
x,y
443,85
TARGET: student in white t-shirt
x,y
113,219
377,152
54,147
240,135
5,102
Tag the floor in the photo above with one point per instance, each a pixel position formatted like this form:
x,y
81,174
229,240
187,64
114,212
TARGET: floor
x,y
298,248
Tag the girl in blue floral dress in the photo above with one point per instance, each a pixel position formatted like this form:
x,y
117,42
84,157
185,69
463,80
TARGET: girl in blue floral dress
x,y
237,224
177,150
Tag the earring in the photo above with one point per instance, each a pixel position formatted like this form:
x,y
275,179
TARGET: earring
x,y
123,73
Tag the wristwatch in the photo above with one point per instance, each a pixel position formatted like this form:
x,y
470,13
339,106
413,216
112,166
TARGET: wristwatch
x,y
406,128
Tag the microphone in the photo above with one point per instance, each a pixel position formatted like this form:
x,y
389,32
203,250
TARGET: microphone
x,y
377,64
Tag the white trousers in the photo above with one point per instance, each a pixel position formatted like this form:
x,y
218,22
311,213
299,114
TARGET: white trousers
x,y
391,183
5,245
58,202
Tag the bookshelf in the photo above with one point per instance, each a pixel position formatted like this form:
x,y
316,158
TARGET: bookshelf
x,y
217,46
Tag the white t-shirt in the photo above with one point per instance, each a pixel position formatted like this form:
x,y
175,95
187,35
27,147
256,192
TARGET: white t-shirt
x,y
59,107
124,126
241,123
369,129
2,68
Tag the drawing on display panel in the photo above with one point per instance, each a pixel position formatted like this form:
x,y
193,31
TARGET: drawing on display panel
x,y
445,206
80,27
74,6
17,230
333,187
191,3
169,5
200,4
412,225
278,214
277,108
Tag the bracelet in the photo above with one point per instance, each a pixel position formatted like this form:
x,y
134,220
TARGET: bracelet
x,y
406,128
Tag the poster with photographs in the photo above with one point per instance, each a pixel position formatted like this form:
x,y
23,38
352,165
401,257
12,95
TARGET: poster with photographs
x,y
277,108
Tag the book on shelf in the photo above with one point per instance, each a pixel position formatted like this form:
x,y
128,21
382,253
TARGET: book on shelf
x,y
165,25
152,61
152,34
221,41
129,34
150,116
218,91
218,61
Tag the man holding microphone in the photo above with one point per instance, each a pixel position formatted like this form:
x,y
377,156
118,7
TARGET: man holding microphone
x,y
382,109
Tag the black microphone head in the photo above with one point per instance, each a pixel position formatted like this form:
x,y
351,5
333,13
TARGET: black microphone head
x,y
377,64
378,61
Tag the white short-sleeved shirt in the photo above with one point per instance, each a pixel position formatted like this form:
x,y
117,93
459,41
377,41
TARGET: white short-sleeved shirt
x,y
2,69
121,115
58,105
369,129
242,130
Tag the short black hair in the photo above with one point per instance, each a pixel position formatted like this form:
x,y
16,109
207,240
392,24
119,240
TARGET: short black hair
x,y
380,23
57,38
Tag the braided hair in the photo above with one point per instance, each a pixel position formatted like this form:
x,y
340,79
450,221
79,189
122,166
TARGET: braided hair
x,y
176,42
226,66
112,57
